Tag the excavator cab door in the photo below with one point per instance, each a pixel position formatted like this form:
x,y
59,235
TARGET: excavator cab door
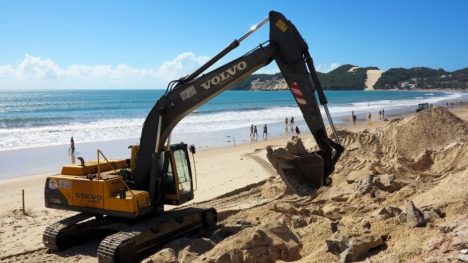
x,y
178,183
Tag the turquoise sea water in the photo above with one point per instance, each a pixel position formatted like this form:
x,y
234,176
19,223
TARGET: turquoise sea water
x,y
49,117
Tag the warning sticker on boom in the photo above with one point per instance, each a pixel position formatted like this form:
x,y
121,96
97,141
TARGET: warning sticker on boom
x,y
281,25
188,93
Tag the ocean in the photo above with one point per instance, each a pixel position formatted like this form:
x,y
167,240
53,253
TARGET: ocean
x,y
31,119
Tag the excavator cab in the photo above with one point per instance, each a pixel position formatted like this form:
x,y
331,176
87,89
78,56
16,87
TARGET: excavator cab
x,y
176,184
177,175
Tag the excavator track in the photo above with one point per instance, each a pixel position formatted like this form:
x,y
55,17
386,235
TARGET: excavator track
x,y
64,233
135,241
113,248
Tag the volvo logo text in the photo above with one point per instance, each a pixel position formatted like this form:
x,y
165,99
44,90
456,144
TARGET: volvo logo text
x,y
88,196
225,75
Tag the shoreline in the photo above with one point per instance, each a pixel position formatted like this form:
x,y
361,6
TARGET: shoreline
x,y
38,161
41,130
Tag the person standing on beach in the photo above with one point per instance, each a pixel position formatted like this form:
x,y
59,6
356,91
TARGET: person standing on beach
x,y
265,132
380,114
353,117
255,134
251,131
291,122
369,116
383,114
71,150
297,131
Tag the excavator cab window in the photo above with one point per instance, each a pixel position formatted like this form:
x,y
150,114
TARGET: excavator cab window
x,y
178,181
183,172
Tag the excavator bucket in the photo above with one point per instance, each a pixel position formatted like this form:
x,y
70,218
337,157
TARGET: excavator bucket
x,y
301,171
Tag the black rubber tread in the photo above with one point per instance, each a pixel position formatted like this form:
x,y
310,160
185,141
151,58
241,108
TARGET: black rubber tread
x,y
127,242
210,218
108,249
51,237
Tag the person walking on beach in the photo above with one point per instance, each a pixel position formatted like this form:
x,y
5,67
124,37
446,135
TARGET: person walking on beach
x,y
251,131
380,114
297,131
353,117
291,122
369,116
383,114
255,134
71,150
265,132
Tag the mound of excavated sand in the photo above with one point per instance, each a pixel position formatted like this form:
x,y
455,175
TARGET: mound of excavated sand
x,y
264,243
429,129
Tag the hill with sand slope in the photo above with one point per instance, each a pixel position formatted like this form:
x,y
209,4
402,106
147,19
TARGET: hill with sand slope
x,y
350,77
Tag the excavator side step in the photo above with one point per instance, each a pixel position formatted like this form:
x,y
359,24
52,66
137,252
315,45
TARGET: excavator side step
x,y
137,240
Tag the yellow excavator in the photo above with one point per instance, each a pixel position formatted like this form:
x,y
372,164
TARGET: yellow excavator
x,y
122,201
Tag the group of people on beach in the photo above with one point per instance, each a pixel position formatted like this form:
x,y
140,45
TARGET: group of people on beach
x,y
369,116
254,132
290,126
453,104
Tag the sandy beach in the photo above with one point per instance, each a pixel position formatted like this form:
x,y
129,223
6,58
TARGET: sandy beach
x,y
427,154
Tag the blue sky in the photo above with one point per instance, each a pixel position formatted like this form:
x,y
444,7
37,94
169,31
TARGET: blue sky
x,y
143,44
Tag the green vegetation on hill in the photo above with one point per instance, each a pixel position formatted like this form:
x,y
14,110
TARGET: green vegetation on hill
x,y
341,78
345,78
350,77
422,78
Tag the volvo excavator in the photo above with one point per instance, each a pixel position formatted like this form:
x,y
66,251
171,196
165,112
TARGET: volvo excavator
x,y
123,200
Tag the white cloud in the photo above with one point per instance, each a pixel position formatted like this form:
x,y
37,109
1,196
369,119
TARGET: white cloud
x,y
325,68
182,65
36,72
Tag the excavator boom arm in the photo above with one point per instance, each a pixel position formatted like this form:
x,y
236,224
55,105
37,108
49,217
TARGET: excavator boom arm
x,y
176,104
286,47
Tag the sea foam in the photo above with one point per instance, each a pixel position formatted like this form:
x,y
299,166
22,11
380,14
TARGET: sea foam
x,y
125,128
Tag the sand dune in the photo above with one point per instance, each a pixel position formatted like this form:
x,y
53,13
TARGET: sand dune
x,y
372,76
422,158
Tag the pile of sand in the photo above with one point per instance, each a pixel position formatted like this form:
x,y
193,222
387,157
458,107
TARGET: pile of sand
x,y
430,129
363,214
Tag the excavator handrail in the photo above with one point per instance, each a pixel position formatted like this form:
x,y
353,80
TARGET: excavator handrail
x,y
99,152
